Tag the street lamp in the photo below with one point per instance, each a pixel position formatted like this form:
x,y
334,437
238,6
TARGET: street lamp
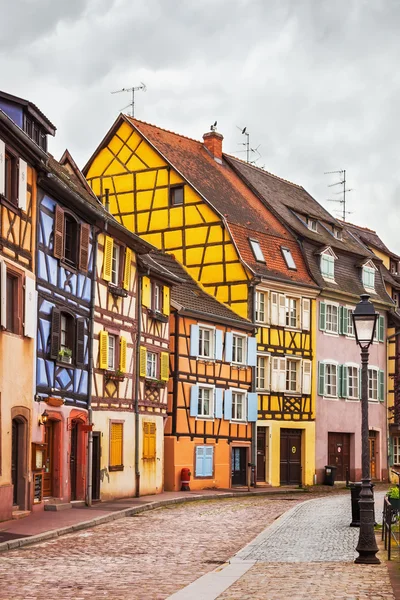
x,y
364,321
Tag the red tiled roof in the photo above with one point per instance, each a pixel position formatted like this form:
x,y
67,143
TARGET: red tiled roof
x,y
230,196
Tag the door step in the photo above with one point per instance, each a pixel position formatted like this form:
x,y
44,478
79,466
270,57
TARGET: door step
x,y
20,514
78,503
56,506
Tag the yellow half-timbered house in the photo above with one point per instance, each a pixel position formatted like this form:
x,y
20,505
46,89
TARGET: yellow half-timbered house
x,y
182,196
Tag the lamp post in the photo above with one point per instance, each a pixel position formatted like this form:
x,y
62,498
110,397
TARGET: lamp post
x,y
364,321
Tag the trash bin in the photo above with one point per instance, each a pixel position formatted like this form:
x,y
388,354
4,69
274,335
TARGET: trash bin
x,y
330,473
355,489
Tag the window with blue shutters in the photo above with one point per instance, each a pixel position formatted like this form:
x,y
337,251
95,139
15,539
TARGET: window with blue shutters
x,y
204,461
202,399
205,342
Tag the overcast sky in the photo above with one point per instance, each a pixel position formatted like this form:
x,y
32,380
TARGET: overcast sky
x,y
316,82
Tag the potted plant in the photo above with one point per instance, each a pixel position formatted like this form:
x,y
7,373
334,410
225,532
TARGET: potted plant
x,y
155,383
394,497
65,355
116,375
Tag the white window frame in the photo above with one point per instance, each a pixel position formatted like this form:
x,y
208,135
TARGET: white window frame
x,y
331,305
257,251
396,450
112,345
211,389
312,224
202,328
336,366
267,371
157,297
375,371
356,368
337,233
115,258
298,381
350,323
235,336
329,273
238,392
368,272
153,365
288,312
289,260
258,294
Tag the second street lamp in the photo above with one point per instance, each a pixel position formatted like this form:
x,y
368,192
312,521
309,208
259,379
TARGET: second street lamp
x,y
364,321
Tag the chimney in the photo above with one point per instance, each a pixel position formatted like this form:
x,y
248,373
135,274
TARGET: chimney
x,y
213,143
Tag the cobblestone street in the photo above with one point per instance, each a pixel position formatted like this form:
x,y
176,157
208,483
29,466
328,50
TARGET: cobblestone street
x,y
149,556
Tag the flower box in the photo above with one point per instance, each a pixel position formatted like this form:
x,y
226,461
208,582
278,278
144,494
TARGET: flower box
x,y
155,383
155,314
114,376
65,359
118,291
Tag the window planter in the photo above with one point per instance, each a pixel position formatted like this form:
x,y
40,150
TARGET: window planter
x,y
154,314
117,291
114,376
155,383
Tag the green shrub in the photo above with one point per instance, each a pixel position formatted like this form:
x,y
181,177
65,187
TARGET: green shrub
x,y
394,492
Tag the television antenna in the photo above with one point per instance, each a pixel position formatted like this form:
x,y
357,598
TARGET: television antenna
x,y
343,192
248,147
134,89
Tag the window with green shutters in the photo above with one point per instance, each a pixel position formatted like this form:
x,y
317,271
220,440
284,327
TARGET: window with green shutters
x,y
343,381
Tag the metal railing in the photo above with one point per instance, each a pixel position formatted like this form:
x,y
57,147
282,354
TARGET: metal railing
x,y
391,522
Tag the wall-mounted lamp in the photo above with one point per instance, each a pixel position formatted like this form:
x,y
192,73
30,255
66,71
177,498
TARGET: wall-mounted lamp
x,y
44,418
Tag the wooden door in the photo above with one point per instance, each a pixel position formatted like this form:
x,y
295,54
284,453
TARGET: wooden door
x,y
261,449
96,466
372,453
290,457
48,459
339,454
73,458
239,456
14,461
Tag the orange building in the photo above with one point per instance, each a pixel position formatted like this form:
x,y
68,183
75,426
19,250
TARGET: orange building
x,y
211,406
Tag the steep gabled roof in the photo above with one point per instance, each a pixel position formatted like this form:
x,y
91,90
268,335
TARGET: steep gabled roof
x,y
370,238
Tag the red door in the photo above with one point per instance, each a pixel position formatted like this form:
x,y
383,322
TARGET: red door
x,y
339,454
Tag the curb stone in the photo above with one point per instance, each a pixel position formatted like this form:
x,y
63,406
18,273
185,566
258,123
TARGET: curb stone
x,y
128,512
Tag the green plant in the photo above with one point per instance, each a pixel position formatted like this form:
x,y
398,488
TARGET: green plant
x,y
65,352
394,492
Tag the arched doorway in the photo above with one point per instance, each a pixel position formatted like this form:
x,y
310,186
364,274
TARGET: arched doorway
x,y
19,463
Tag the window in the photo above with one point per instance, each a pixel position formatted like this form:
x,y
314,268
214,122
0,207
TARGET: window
x,y
312,224
350,329
261,307
70,240
287,255
291,306
292,375
327,266
13,316
396,450
368,277
337,233
256,248
262,379
330,380
393,267
206,337
204,461
238,349
11,178
157,297
395,297
372,384
238,406
116,462
151,365
331,318
149,440
66,337
205,401
352,382
115,265
111,352
176,195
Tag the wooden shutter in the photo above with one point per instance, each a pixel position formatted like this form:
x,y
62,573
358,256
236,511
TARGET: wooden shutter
x,y
58,244
251,351
208,461
116,445
340,319
103,351
381,328
344,382
339,381
282,375
164,366
194,400
252,407
166,300
80,342
228,346
142,361
218,344
84,247
107,258
22,184
122,354
2,168
306,384
126,282
322,316
274,374
321,379
200,454
30,308
149,440
3,294
306,313
146,292
55,333
381,386
218,395
194,340
274,309
228,405
282,310
346,318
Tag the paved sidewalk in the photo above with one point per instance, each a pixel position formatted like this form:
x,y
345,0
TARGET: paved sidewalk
x,y
44,525
307,553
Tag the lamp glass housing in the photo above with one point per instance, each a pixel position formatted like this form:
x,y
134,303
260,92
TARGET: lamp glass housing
x,y
364,321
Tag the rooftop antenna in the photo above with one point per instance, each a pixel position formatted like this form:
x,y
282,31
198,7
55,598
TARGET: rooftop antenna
x,y
214,127
141,87
343,200
248,147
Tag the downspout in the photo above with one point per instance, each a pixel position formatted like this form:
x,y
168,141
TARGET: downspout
x,y
253,389
175,374
91,369
137,383
389,446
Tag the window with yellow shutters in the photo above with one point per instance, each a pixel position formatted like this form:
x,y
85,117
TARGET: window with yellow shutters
x,y
116,446
108,258
146,292
149,440
122,354
142,360
103,350
164,367
127,269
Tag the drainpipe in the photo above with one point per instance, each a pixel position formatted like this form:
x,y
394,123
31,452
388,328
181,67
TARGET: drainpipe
x,y
253,389
389,449
90,382
137,383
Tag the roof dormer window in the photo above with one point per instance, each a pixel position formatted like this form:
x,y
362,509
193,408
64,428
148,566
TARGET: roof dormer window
x,y
256,248
328,258
337,233
312,224
368,275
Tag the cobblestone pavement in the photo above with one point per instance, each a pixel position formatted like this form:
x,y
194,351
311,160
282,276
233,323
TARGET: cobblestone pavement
x,y
146,557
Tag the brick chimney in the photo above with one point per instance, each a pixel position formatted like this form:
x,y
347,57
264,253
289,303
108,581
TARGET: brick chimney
x,y
213,143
